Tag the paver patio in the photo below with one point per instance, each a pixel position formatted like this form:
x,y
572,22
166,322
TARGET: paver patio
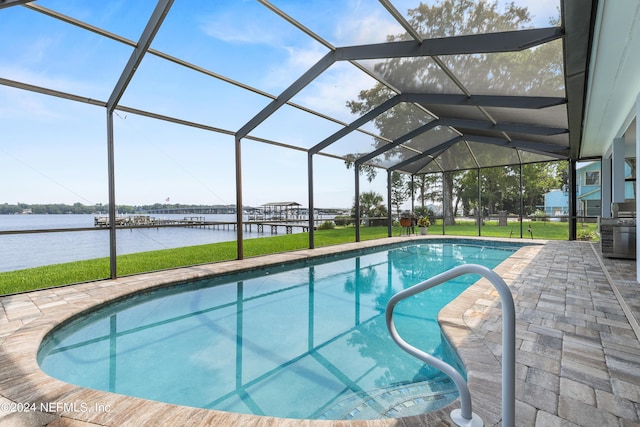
x,y
577,345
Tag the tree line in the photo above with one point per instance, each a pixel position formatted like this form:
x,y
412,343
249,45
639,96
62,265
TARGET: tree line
x,y
457,191
79,208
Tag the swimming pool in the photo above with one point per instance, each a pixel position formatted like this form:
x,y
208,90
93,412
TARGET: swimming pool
x,y
303,342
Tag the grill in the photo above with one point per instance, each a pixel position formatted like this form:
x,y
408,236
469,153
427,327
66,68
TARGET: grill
x,y
618,235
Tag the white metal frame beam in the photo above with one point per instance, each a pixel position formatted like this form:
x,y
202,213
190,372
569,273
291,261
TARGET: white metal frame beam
x,y
153,25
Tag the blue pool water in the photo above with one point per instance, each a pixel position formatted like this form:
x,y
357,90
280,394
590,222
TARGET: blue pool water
x,y
297,341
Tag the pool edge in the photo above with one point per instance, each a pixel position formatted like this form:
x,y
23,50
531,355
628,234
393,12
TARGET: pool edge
x,y
26,383
480,353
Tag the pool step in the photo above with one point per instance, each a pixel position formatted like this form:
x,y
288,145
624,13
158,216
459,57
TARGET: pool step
x,y
395,401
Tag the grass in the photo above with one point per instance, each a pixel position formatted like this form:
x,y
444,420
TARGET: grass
x,y
539,229
95,269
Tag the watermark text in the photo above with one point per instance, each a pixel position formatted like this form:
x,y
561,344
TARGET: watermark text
x,y
54,407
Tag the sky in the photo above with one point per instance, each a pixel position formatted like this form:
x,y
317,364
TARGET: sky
x,y
54,150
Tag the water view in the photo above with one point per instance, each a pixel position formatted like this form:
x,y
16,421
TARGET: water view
x,y
19,251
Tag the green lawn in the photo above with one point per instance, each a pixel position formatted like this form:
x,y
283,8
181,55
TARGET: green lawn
x,y
539,229
96,269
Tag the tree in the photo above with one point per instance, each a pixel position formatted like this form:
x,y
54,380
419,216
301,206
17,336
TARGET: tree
x,y
369,170
495,73
371,205
540,178
562,173
448,212
467,190
399,191
425,187
501,187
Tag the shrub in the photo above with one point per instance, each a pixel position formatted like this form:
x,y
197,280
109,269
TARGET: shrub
x,y
327,225
344,220
540,216
585,234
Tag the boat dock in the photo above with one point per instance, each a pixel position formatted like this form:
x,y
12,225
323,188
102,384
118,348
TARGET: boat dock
x,y
146,221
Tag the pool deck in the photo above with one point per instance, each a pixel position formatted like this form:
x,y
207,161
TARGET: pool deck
x,y
577,346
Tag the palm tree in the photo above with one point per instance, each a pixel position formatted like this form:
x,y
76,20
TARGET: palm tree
x,y
371,205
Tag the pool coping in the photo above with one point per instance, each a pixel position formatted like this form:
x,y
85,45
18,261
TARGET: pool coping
x,y
22,381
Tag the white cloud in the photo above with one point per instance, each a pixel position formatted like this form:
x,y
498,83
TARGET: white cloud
x,y
71,83
298,60
244,28
329,95
23,103
223,28
17,104
37,51
360,28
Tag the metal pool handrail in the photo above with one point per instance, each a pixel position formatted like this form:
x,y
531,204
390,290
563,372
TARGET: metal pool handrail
x,y
465,416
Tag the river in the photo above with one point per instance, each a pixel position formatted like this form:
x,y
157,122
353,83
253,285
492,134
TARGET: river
x,y
19,251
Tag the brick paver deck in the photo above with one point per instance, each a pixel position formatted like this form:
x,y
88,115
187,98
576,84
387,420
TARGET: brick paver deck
x,y
577,339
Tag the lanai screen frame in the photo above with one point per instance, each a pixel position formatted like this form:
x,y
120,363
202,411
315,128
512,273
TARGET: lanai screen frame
x,y
575,32
478,216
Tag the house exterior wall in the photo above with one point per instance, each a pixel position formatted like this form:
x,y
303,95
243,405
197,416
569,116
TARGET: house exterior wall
x,y
556,202
588,192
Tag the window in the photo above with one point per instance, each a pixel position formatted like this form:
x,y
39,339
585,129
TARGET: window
x,y
630,168
592,178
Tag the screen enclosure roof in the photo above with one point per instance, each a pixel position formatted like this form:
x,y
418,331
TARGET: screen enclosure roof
x,y
403,85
